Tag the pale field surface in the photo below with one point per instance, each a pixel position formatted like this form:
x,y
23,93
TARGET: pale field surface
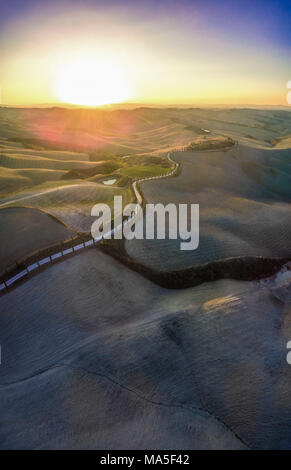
x,y
71,204
284,142
142,129
244,197
96,356
24,231
25,168
55,159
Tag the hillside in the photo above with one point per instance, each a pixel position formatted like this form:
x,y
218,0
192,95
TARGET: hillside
x,y
244,196
89,344
103,354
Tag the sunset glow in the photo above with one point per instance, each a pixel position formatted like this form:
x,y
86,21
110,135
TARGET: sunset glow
x,y
92,82
183,52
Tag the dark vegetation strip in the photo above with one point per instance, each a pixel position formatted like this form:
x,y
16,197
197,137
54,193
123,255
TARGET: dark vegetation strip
x,y
240,268
244,268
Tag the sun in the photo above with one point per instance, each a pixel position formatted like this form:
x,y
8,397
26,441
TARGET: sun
x,y
92,82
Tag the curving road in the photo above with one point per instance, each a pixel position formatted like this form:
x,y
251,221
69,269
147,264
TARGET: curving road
x,y
134,185
79,246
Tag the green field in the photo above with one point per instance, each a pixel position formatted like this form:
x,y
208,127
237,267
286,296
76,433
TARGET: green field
x,y
144,171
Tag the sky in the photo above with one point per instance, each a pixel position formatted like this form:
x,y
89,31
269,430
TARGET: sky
x,y
199,52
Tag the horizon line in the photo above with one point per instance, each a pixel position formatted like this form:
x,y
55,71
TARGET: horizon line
x,y
142,104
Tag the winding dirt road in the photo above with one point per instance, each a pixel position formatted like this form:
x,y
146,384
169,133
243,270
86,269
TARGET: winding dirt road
x,y
47,260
